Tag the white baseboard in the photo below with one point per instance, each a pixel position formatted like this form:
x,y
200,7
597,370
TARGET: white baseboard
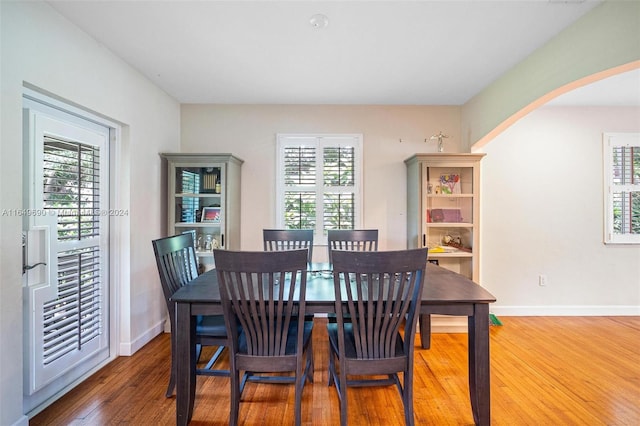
x,y
456,324
566,310
129,348
448,324
22,421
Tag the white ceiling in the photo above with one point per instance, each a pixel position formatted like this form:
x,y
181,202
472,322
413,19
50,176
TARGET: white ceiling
x,y
372,52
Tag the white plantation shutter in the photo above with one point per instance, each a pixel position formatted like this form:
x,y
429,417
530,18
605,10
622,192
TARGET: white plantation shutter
x,y
622,187
71,192
319,183
72,187
73,318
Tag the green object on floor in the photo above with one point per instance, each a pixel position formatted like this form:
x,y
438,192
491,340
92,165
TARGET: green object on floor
x,y
493,320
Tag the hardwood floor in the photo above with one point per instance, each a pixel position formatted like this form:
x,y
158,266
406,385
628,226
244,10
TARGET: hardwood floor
x,y
544,371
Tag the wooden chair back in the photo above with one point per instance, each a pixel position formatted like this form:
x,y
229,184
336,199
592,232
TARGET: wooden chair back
x,y
177,264
262,292
352,240
288,239
383,294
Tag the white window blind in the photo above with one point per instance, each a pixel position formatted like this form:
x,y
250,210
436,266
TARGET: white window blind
x,y
622,187
71,192
72,187
73,319
319,183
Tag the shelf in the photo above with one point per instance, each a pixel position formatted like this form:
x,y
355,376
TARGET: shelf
x,y
456,254
449,225
199,195
197,225
449,195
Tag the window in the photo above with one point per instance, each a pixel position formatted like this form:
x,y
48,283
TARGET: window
x,y
622,188
319,183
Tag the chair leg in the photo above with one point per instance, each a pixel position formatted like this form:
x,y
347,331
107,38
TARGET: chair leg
x,y
214,358
298,396
311,367
172,374
342,395
235,397
407,399
198,351
172,382
332,365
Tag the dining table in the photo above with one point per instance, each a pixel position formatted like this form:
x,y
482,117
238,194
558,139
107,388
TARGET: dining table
x,y
445,293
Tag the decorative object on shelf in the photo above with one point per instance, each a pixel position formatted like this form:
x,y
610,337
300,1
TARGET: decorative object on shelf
x,y
209,180
449,183
208,242
211,214
437,215
439,138
445,215
455,242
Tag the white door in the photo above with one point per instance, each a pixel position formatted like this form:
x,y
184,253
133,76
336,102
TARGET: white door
x,y
66,282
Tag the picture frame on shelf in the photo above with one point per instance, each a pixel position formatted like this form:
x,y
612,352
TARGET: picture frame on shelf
x,y
450,183
211,215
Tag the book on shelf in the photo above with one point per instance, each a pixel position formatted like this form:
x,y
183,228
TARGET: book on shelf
x,y
444,215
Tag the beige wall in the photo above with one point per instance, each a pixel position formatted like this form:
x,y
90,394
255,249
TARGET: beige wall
x,y
542,213
249,131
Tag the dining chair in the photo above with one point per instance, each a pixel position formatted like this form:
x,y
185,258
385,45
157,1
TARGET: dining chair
x,y
352,239
263,301
288,239
381,293
178,265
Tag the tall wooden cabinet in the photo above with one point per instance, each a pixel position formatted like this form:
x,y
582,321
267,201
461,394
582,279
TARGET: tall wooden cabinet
x,y
443,209
204,199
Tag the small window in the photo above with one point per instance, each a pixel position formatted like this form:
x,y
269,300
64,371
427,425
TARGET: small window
x,y
622,187
319,183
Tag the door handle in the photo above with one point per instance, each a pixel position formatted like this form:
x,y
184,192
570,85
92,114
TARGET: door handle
x,y
26,268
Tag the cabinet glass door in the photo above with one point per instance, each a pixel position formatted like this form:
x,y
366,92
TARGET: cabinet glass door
x,y
448,214
199,207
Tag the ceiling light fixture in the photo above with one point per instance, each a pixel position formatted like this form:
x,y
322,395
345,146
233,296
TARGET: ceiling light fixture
x,y
319,21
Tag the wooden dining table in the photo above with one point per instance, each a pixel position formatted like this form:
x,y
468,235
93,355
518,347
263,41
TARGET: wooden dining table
x,y
445,292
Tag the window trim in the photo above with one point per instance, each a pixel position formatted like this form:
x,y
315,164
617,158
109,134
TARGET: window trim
x,y
610,140
319,140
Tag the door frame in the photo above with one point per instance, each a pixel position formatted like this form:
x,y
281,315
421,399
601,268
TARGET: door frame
x,y
119,237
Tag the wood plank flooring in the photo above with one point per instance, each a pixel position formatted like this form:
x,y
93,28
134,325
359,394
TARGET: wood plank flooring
x,y
544,371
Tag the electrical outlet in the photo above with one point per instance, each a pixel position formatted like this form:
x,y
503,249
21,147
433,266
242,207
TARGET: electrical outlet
x,y
542,280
